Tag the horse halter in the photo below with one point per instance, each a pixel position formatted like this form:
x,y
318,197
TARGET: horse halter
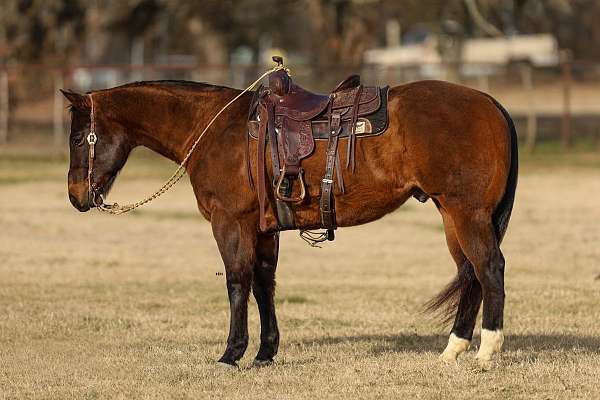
x,y
92,138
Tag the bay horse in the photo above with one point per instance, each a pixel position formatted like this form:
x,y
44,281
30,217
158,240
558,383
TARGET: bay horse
x,y
450,143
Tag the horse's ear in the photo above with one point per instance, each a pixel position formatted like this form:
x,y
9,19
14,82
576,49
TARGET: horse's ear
x,y
80,102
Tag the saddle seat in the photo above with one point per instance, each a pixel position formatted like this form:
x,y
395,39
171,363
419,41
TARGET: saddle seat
x,y
293,101
300,104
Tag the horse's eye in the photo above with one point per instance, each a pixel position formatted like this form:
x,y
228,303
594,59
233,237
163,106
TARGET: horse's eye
x,y
77,139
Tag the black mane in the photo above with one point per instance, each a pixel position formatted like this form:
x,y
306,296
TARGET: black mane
x,y
181,84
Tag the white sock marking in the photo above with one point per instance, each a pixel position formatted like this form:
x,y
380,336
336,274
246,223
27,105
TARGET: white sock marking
x,y
491,343
455,347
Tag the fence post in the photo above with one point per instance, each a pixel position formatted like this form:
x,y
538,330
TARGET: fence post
x,y
59,106
4,106
527,80
566,126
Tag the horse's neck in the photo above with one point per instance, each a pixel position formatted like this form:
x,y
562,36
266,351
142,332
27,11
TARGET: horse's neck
x,y
168,121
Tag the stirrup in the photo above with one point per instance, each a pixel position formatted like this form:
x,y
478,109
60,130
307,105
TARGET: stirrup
x,y
290,199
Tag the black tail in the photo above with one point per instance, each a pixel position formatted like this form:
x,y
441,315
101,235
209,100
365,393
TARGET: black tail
x,y
503,210
446,302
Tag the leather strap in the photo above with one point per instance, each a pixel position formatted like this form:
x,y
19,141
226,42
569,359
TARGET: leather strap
x,y
251,111
91,138
338,172
327,204
260,165
273,144
352,135
284,214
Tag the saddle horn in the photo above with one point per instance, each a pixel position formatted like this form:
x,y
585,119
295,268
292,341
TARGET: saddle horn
x,y
278,60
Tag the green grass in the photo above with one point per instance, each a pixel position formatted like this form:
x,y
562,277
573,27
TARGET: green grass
x,y
548,154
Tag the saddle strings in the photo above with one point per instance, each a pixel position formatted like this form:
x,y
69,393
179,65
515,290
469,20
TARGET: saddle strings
x,y
117,209
313,238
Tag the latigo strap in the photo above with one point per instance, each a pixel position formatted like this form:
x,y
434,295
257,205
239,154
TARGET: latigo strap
x,y
327,206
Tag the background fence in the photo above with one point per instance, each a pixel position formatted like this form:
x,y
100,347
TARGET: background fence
x,y
560,103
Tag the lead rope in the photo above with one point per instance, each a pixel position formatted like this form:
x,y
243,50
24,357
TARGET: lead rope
x,y
314,238
117,209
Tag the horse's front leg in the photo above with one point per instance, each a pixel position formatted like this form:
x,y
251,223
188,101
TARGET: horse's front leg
x,y
264,291
237,245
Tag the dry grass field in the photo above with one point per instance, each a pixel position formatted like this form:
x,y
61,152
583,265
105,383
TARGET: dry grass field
x,y
96,306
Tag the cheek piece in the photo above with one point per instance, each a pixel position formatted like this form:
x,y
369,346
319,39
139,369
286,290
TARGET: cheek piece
x,y
92,138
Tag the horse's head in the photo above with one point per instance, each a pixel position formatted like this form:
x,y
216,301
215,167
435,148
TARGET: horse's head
x,y
111,150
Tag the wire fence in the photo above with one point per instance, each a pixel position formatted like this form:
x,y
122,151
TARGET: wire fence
x,y
559,103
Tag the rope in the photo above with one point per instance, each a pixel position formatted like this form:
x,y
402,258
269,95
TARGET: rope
x,y
313,238
117,209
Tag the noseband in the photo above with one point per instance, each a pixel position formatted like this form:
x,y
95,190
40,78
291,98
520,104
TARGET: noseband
x,y
92,138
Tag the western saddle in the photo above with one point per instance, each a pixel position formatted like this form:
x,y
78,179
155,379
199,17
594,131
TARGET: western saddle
x,y
290,119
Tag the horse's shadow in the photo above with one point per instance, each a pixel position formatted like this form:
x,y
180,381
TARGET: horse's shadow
x,y
413,343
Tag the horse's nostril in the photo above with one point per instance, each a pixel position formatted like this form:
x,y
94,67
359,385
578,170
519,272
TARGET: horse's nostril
x,y
74,201
77,204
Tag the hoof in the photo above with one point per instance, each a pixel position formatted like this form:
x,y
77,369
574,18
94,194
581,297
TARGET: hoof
x,y
449,358
262,363
485,363
224,365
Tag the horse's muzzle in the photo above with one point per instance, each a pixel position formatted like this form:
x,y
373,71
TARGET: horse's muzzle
x,y
78,195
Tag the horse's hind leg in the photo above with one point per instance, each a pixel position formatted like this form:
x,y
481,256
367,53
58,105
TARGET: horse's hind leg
x,y
263,288
467,292
478,241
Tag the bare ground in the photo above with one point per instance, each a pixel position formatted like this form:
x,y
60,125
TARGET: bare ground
x,y
95,306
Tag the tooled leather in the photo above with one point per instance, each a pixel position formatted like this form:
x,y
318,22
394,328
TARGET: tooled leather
x,y
300,145
370,94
